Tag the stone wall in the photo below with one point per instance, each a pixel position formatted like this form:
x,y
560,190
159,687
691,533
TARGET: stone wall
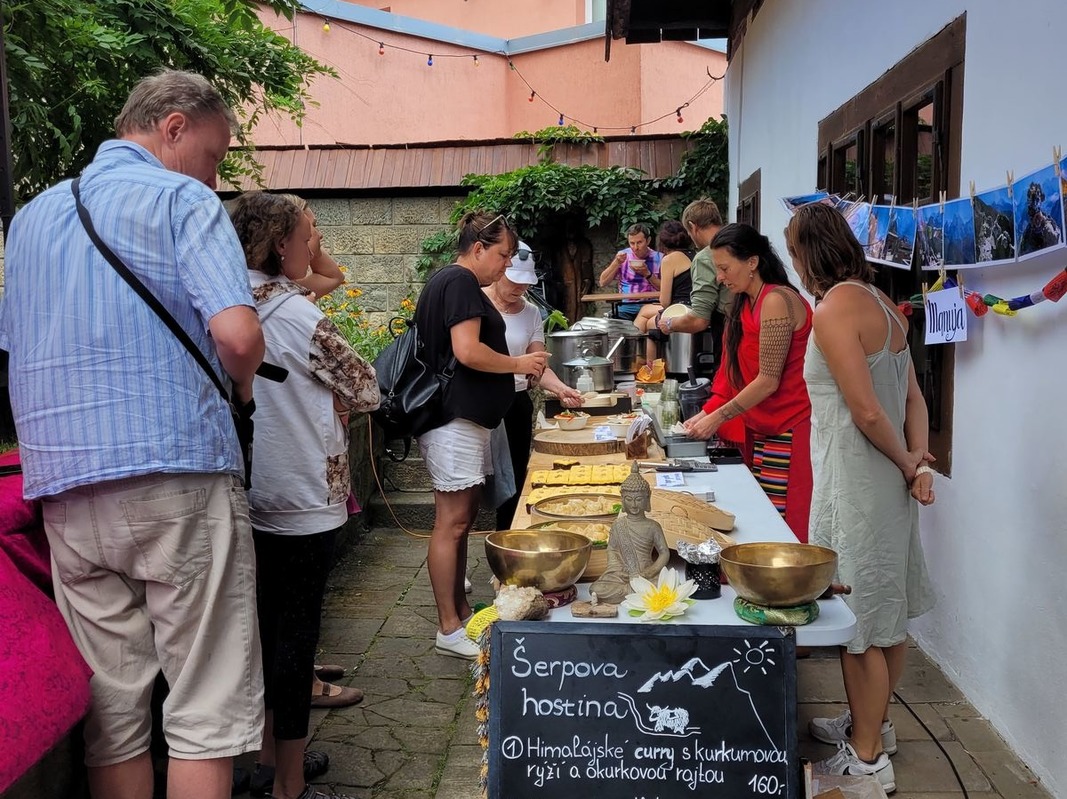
x,y
378,241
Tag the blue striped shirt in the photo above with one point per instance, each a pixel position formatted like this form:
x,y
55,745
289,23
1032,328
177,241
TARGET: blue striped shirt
x,y
100,388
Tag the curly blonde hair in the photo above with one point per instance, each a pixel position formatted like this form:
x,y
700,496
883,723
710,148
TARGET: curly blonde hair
x,y
262,221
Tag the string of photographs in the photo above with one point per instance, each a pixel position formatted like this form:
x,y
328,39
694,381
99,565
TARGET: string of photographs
x,y
1014,222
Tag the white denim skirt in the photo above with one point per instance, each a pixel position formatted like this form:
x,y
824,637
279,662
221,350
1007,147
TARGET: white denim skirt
x,y
457,455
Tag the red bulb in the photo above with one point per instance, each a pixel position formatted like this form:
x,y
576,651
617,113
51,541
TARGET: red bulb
x,y
680,120
381,49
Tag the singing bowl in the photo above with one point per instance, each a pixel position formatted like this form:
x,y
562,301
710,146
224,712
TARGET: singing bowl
x,y
548,560
778,575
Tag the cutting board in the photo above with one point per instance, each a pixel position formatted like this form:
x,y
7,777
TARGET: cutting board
x,y
575,442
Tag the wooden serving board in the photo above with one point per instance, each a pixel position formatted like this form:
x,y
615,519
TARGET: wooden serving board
x,y
575,442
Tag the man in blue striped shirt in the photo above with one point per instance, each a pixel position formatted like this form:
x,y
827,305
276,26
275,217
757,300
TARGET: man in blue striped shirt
x,y
129,445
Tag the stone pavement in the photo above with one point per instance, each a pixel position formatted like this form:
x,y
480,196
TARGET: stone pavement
x,y
413,736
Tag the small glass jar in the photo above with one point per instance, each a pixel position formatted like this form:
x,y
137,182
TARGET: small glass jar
x,y
668,413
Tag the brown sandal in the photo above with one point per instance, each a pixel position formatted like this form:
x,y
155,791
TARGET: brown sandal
x,y
345,696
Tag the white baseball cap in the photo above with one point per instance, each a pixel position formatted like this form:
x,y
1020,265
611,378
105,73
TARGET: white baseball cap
x,y
522,266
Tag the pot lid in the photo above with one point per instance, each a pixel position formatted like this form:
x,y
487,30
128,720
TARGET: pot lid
x,y
702,384
588,361
573,333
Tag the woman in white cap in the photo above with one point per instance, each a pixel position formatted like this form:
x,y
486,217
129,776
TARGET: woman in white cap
x,y
525,334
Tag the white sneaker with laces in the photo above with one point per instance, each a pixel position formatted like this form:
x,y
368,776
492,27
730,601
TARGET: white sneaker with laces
x,y
846,761
456,644
839,729
467,587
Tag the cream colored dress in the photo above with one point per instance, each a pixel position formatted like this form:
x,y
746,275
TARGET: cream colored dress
x,y
860,505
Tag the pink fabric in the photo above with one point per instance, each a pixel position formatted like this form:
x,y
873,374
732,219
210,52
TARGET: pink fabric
x,y
44,683
21,533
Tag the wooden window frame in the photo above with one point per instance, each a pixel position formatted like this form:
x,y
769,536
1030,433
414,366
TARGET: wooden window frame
x,y
933,72
748,202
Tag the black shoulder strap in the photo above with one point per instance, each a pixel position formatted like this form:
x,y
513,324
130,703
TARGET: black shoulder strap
x,y
144,293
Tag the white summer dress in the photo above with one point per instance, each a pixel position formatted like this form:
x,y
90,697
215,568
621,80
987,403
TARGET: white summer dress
x,y
860,505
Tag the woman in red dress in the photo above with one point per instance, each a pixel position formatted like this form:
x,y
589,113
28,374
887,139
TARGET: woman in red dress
x,y
761,379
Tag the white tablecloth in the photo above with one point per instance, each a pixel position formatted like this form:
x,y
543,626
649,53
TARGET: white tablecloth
x,y
737,491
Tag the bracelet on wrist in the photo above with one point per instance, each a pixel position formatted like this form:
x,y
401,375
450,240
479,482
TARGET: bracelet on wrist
x,y
923,469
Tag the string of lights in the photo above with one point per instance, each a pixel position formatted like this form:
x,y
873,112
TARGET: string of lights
x,y
563,118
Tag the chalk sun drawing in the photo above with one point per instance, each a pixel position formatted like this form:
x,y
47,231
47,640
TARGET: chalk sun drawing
x,y
755,656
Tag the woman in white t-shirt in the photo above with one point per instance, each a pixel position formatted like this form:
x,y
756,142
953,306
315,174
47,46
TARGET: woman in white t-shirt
x,y
525,333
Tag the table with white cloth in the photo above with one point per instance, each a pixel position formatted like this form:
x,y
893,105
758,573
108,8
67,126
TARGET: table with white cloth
x,y
736,491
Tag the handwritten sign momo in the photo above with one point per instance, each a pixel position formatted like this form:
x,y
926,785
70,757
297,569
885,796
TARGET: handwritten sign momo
x,y
946,317
631,711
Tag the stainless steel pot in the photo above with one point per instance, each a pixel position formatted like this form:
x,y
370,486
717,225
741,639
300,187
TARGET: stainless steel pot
x,y
629,356
566,345
599,368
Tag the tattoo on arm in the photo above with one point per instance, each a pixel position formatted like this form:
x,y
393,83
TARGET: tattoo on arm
x,y
775,336
730,410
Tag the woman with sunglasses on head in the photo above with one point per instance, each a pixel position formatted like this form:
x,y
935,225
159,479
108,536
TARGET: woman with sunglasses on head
x,y
525,334
455,318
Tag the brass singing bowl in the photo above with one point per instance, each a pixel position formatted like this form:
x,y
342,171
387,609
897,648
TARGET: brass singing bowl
x,y
548,560
779,575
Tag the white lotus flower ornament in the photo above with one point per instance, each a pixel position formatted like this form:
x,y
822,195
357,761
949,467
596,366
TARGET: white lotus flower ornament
x,y
668,598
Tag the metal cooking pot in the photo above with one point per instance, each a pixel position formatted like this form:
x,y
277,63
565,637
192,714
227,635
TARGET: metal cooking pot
x,y
599,368
629,356
566,345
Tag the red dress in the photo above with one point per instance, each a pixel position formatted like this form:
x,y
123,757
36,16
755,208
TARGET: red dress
x,y
778,430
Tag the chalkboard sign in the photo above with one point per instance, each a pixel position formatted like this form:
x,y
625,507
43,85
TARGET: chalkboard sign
x,y
649,712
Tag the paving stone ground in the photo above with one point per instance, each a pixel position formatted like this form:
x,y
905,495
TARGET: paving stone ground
x,y
413,736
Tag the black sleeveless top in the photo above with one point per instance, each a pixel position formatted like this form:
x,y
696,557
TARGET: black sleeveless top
x,y
682,287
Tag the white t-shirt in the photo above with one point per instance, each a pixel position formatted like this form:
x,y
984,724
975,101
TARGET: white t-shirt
x,y
523,327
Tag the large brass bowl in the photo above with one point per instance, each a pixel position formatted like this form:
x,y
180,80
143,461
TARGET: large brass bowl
x,y
779,575
548,560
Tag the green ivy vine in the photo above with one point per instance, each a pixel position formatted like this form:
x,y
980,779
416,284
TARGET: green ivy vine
x,y
537,198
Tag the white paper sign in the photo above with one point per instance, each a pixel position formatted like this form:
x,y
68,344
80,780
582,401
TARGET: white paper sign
x,y
946,317
603,433
669,479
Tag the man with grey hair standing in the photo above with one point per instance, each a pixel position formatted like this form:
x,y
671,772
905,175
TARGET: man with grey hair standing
x,y
131,448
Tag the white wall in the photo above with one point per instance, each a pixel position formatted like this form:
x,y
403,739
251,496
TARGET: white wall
x,y
996,539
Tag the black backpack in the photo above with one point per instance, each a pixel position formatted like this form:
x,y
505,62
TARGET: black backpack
x,y
411,391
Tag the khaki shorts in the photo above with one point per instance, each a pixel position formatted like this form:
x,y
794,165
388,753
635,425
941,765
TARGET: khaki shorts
x,y
158,572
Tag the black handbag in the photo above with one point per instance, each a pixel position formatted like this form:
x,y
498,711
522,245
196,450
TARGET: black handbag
x,y
412,392
240,411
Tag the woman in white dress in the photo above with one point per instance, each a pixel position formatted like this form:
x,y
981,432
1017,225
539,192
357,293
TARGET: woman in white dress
x,y
869,442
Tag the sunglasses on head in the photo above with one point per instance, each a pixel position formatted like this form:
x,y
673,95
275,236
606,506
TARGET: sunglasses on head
x,y
494,220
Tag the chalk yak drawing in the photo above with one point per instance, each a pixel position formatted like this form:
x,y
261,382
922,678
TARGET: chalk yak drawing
x,y
675,719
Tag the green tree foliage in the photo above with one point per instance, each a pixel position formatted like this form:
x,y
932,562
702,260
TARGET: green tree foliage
x,y
72,63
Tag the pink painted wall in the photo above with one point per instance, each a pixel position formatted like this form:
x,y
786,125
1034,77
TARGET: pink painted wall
x,y
505,18
396,97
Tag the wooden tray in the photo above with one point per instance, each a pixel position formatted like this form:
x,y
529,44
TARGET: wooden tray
x,y
575,442
686,506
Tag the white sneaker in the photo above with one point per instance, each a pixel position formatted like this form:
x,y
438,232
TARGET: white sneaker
x,y
467,587
456,645
847,762
839,730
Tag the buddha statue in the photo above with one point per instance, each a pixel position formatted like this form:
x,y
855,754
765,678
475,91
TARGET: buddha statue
x,y
636,545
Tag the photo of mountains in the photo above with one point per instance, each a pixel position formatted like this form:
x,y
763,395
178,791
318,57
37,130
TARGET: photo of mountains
x,y
1038,212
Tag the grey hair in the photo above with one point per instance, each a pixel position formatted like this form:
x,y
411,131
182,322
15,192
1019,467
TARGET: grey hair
x,y
170,90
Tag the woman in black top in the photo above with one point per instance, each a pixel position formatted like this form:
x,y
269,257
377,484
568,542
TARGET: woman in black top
x,y
455,317
676,281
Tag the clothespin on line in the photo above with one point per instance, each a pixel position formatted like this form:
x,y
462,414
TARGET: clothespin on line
x,y
959,282
1057,154
972,189
1011,180
942,198
926,288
